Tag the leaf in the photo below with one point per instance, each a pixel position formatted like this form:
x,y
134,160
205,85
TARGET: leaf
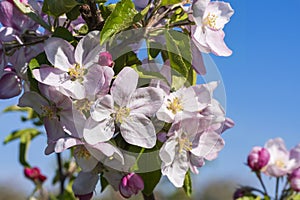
x,y
179,53
24,145
120,18
74,13
150,179
141,14
57,8
32,132
169,2
187,185
148,74
104,183
17,109
106,10
63,33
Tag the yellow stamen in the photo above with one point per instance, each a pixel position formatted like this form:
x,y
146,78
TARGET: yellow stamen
x,y
121,114
82,152
184,144
210,21
175,105
48,111
280,164
76,72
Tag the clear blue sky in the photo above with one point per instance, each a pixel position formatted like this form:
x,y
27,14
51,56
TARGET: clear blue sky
x,y
262,88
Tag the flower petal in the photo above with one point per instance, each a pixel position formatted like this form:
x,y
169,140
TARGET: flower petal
x,y
102,108
86,163
215,40
88,49
222,10
199,7
85,183
124,86
146,101
138,130
60,53
50,76
168,151
33,100
95,132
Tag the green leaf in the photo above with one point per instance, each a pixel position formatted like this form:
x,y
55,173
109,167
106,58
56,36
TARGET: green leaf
x,y
141,14
120,18
150,179
169,2
106,10
23,149
179,54
187,185
57,8
32,132
74,13
148,74
63,33
31,13
104,183
17,109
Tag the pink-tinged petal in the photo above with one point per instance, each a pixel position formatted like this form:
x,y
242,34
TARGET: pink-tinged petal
x,y
177,170
215,40
138,130
199,7
85,183
168,151
54,95
146,101
53,129
84,196
208,143
33,100
222,10
88,49
10,85
86,163
72,121
295,154
110,151
64,143
124,86
164,114
60,53
199,39
189,100
50,76
95,132
102,108
74,89
7,34
6,13
197,60
98,79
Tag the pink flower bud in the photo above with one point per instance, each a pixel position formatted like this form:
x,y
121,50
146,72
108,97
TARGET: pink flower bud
x,y
295,180
131,184
34,174
258,158
10,84
105,59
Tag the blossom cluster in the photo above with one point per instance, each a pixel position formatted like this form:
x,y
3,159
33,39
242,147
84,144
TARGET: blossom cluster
x,y
102,109
274,160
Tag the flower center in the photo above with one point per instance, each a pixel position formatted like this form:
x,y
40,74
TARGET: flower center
x,y
175,105
76,73
210,21
280,163
83,105
184,144
82,152
49,112
121,114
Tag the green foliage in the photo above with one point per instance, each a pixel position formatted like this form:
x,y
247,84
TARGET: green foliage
x,y
169,2
120,19
179,54
104,183
150,179
57,8
250,198
63,33
187,185
74,13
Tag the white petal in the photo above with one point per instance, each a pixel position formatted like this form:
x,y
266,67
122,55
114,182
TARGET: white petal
x,y
60,53
215,40
95,132
86,164
33,100
124,86
74,89
177,170
50,76
138,130
146,101
168,151
199,7
88,49
222,10
102,108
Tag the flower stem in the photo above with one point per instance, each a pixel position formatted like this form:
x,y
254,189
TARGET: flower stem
x,y
277,187
258,175
61,175
150,197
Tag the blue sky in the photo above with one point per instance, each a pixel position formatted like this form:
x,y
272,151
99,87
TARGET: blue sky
x,y
262,89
